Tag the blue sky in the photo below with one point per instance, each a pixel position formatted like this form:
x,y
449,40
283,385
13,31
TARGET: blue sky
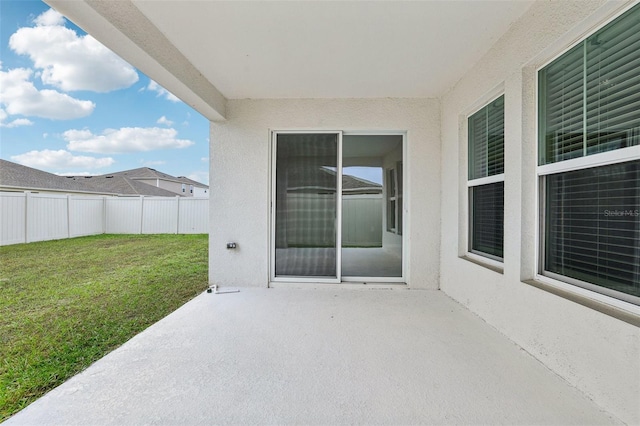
x,y
68,105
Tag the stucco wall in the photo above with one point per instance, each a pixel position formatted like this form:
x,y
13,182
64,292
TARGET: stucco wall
x,y
597,353
240,153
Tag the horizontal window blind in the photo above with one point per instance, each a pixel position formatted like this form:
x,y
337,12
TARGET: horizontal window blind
x,y
592,226
487,218
590,96
486,140
486,158
561,108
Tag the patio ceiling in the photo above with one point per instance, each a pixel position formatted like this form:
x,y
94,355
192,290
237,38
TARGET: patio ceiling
x,y
208,51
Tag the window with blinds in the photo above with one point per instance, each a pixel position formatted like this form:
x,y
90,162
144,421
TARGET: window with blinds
x,y
487,211
593,226
486,180
589,104
590,97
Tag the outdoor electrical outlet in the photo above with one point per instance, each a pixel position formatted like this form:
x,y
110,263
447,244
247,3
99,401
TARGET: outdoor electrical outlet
x,y
231,245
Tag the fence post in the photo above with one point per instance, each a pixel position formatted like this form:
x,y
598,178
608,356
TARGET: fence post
x,y
104,214
141,213
27,206
177,214
27,202
68,216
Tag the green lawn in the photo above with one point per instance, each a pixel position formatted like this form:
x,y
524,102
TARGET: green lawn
x,y
64,304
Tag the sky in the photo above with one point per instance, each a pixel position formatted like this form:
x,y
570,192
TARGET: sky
x,y
70,106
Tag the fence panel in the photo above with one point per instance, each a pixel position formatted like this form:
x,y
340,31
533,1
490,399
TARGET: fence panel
x,y
124,215
30,217
13,218
194,216
86,216
362,220
160,215
47,217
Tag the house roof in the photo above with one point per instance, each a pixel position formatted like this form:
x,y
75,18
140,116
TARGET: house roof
x,y
306,178
122,185
354,183
142,172
317,49
149,173
22,177
17,176
188,181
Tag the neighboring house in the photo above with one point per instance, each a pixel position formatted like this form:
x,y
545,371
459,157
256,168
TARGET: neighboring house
x,y
508,133
16,177
178,185
195,189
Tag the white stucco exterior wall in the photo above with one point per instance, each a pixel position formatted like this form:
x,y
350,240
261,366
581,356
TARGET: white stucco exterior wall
x,y
240,178
598,354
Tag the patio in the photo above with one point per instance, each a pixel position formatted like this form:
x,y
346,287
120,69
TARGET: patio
x,y
317,356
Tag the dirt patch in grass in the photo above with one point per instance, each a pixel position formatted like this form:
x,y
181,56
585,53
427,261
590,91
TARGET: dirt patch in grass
x,y
64,304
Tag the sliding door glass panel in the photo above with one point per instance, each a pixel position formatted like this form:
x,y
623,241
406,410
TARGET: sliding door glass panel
x,y
372,206
306,205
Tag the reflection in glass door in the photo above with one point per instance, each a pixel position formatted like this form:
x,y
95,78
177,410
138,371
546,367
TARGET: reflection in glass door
x,y
306,205
371,207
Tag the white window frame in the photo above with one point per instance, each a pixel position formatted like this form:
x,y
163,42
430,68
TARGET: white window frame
x,y
494,262
604,295
392,171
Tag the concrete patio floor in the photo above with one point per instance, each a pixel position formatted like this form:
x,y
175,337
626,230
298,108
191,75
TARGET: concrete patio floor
x,y
327,356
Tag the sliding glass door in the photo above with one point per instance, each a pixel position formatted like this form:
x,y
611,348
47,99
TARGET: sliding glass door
x,y
306,205
337,207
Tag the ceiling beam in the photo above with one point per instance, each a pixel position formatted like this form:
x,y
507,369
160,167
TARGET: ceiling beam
x,y
124,29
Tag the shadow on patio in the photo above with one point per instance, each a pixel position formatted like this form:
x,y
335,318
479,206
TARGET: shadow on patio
x,y
317,357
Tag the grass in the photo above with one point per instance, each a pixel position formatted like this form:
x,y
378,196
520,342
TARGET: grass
x,y
64,304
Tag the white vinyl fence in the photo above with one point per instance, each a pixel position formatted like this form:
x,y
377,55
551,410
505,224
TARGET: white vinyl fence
x,y
29,217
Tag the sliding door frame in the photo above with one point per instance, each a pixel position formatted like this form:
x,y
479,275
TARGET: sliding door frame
x,y
338,219
338,227
401,279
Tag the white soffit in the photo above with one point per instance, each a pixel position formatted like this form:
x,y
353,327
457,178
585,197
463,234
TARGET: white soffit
x,y
328,49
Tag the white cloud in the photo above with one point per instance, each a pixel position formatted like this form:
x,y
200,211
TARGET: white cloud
x,y
126,139
17,123
202,177
161,91
49,18
19,96
68,61
204,159
61,159
165,121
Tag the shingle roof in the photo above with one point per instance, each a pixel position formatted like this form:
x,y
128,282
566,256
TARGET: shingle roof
x,y
142,172
23,177
185,179
19,176
304,178
123,185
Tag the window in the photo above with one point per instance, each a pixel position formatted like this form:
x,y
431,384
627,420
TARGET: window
x,y
394,199
191,189
184,187
486,180
589,161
